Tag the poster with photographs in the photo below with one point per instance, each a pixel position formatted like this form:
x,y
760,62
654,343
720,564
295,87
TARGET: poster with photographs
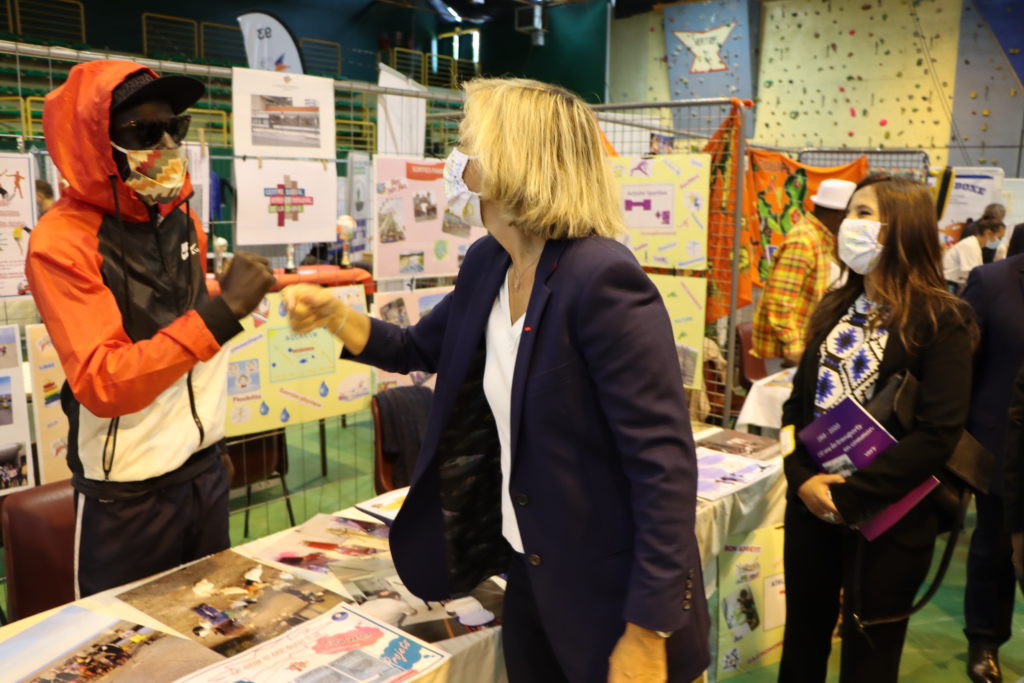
x,y
277,377
278,114
664,202
76,644
285,202
229,602
17,217
340,646
406,308
685,298
753,602
16,471
51,424
198,155
412,235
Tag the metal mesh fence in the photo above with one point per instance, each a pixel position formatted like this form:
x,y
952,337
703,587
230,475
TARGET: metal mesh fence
x,y
912,163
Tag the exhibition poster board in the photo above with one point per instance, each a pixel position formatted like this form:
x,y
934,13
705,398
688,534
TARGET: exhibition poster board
x,y
279,114
286,202
17,217
360,206
406,308
277,377
752,600
47,376
413,236
16,471
973,188
664,203
685,298
198,154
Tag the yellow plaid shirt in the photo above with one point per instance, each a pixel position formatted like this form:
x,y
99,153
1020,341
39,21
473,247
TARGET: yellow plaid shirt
x,y
799,279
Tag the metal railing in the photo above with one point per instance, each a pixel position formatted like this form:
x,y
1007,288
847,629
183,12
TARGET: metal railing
x,y
164,35
907,162
211,126
322,57
55,19
222,42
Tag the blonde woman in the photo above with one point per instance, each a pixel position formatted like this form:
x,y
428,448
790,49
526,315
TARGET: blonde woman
x,y
558,448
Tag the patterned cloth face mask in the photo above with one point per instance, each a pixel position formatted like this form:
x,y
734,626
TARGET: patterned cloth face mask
x,y
157,175
859,247
463,203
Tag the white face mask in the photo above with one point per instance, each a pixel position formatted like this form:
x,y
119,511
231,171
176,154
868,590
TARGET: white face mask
x,y
859,247
157,175
463,203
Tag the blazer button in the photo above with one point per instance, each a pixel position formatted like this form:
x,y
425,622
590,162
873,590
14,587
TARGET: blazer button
x,y
522,499
691,574
533,559
688,594
689,583
686,604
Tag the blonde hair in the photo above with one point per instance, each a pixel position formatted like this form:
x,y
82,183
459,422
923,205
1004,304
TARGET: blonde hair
x,y
539,147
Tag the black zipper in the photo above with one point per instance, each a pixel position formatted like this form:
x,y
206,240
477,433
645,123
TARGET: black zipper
x,y
192,404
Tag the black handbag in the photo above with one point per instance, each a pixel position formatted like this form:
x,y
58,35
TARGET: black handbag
x,y
968,470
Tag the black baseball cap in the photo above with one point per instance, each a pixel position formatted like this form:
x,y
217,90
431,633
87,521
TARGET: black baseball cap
x,y
181,92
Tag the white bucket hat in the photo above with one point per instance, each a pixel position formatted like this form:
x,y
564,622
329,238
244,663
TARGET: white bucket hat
x,y
834,193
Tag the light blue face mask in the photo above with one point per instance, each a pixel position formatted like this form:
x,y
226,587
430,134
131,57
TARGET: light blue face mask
x,y
994,244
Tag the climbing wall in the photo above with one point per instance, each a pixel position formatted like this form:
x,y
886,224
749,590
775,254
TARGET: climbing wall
x,y
866,73
639,72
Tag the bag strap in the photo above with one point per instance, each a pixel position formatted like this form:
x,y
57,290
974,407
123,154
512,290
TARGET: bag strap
x,y
940,574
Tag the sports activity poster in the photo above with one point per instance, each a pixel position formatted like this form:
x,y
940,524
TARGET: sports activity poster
x,y
412,236
16,471
339,645
752,599
685,298
664,202
17,217
406,308
280,114
286,202
277,377
51,423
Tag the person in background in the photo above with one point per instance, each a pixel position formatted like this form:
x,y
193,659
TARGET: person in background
x,y
996,293
117,269
964,256
558,447
1012,244
44,197
1014,477
893,314
804,269
996,212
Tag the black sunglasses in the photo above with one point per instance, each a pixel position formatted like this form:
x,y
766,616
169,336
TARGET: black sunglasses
x,y
148,134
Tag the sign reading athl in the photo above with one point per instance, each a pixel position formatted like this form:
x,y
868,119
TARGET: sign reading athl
x,y
287,200
706,47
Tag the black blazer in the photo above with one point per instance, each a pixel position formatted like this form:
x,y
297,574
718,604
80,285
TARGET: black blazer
x,y
943,368
1014,490
996,292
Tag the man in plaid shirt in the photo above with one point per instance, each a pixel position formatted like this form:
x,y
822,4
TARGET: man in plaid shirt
x,y
804,269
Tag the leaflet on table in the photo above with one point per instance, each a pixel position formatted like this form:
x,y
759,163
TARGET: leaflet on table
x,y
846,439
340,645
721,474
385,506
229,602
739,443
76,644
325,539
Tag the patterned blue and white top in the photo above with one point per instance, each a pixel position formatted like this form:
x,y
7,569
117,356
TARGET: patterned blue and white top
x,y
850,357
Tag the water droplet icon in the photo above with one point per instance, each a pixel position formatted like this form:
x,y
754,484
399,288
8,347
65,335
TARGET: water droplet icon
x,y
282,310
264,408
323,389
285,415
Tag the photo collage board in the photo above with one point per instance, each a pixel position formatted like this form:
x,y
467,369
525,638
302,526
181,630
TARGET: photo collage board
x,y
406,308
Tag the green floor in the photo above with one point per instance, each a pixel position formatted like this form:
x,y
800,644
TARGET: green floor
x,y
935,650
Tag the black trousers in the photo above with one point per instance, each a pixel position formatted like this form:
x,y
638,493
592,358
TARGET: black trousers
x,y
989,593
120,541
529,656
878,579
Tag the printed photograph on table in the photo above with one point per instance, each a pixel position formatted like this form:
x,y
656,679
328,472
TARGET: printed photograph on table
x,y
286,202
51,424
685,299
339,646
76,644
16,469
413,236
753,604
17,216
229,603
324,540
664,202
282,114
406,308
277,377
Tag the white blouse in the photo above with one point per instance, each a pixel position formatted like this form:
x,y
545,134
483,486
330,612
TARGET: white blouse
x,y
502,348
960,259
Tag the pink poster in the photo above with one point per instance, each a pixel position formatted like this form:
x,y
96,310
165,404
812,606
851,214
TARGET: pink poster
x,y
406,308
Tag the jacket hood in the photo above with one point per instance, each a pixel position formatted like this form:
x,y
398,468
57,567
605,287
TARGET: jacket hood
x,y
76,123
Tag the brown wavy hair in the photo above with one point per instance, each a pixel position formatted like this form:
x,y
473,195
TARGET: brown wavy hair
x,y
909,269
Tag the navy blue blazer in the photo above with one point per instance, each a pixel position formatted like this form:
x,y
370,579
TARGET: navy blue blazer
x,y
604,471
996,292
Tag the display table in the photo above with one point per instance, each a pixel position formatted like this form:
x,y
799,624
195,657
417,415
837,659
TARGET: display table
x,y
763,407
328,276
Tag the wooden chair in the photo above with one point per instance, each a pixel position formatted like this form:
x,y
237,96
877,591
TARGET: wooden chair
x,y
399,420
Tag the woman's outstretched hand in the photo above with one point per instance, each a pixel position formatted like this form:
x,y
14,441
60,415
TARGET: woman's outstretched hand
x,y
310,306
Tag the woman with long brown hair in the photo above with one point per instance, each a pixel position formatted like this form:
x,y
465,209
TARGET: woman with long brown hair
x,y
893,315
